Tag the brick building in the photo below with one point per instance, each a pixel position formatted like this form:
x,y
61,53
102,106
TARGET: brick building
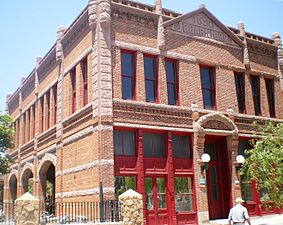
x,y
132,96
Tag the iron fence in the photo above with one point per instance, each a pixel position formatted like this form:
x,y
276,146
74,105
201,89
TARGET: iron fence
x,y
80,212
6,213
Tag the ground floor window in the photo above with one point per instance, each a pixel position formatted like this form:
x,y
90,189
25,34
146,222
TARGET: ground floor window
x,y
183,194
124,183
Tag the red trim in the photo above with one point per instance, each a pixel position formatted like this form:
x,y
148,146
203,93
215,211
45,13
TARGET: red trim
x,y
84,68
212,73
134,63
241,77
176,76
73,85
255,80
155,80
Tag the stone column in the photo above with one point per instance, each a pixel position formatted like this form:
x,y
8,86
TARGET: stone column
x,y
277,42
131,207
26,210
201,190
160,32
241,27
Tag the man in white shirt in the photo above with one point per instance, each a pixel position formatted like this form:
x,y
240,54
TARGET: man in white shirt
x,y
239,214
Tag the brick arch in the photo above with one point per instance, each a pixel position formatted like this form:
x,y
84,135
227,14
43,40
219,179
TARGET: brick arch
x,y
215,121
47,159
13,172
28,166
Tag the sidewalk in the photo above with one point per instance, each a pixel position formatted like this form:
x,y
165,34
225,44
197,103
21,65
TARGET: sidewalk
x,y
276,219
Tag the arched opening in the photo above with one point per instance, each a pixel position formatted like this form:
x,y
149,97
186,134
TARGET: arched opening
x,y
27,181
13,187
47,181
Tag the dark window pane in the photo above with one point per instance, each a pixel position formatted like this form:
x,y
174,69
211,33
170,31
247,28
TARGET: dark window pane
x,y
240,90
170,72
147,145
208,99
178,184
129,143
150,91
213,183
243,145
270,95
206,81
123,184
127,88
149,68
127,64
148,189
118,143
180,146
210,149
158,143
171,92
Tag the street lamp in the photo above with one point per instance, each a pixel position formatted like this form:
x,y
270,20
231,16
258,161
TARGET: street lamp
x,y
239,162
205,158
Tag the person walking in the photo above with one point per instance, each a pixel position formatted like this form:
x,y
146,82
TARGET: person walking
x,y
239,214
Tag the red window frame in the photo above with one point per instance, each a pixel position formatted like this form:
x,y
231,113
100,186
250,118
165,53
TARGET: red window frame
x,y
269,83
240,91
155,77
48,109
73,85
85,81
176,80
42,113
33,124
28,124
212,89
123,149
255,83
133,77
55,103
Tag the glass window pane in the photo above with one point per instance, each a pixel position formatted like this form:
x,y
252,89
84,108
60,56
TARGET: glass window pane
x,y
208,99
243,145
127,88
158,143
148,185
178,203
150,91
148,193
127,64
185,185
117,142
188,203
149,68
161,201
184,147
119,189
171,92
160,185
170,72
206,81
129,143
147,145
209,148
130,183
178,185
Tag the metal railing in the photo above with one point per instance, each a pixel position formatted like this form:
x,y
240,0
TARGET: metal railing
x,y
79,212
6,213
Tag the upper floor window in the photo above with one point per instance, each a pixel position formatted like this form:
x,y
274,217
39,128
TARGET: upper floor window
x,y
208,87
54,89
269,83
128,74
73,83
33,119
42,113
243,146
85,83
48,109
240,90
172,82
256,94
124,143
150,74
153,145
180,146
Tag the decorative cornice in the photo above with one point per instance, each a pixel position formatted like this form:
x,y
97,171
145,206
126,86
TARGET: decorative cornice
x,y
47,64
94,191
78,135
87,166
28,159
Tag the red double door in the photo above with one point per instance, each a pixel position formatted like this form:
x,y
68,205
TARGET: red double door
x,y
155,199
218,178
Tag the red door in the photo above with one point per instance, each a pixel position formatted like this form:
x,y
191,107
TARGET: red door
x,y
214,191
155,197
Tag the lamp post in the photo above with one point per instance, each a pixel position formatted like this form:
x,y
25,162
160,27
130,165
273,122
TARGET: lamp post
x,y
239,162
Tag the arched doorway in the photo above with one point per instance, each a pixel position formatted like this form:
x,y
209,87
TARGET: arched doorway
x,y
13,187
27,181
217,135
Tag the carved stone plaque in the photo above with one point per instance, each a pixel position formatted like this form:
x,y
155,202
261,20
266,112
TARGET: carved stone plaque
x,y
200,25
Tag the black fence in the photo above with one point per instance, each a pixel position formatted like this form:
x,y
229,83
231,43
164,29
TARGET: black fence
x,y
6,213
80,212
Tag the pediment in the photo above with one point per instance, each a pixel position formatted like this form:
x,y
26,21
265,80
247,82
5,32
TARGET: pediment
x,y
203,24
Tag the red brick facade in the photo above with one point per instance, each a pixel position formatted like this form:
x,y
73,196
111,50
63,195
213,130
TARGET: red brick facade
x,y
80,145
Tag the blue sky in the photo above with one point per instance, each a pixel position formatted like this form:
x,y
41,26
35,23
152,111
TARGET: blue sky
x,y
28,28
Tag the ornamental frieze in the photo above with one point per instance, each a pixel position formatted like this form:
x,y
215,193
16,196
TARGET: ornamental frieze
x,y
141,19
262,50
216,125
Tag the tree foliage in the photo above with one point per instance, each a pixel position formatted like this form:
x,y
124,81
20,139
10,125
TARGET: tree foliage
x,y
6,141
264,162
